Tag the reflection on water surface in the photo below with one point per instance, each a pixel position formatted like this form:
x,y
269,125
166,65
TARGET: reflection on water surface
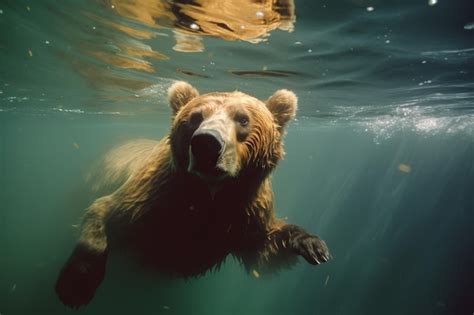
x,y
230,20
120,37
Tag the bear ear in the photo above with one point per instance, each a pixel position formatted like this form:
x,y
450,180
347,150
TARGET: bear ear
x,y
283,106
179,94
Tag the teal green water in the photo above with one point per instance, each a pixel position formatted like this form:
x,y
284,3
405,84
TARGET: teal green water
x,y
380,160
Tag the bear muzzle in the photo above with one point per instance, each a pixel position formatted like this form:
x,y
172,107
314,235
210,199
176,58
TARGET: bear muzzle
x,y
206,148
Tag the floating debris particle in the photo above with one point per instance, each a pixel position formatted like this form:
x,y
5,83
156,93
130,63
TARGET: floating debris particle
x,y
370,9
255,273
327,280
14,287
76,145
387,41
75,226
191,73
28,8
405,168
1,11
259,14
194,26
264,73
166,307
46,42
432,2
30,53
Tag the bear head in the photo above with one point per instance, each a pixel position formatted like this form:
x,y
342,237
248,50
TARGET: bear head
x,y
223,135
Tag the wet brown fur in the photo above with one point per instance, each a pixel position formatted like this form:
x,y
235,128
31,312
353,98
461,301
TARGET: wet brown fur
x,y
260,152
177,222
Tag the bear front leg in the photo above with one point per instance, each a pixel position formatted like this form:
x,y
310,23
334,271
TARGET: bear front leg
x,y
83,272
279,249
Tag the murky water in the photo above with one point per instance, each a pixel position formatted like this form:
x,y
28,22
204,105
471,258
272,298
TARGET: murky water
x,y
380,160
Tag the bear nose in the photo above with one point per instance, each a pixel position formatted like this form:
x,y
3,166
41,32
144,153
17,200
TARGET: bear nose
x,y
206,147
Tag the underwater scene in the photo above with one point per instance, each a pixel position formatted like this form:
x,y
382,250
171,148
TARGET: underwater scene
x,y
379,157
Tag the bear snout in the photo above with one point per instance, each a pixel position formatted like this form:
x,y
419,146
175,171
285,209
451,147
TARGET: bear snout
x,y
206,148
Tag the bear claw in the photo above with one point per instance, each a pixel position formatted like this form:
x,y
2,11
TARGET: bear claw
x,y
313,249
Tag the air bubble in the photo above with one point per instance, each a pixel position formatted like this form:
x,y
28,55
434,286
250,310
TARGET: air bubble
x,y
469,26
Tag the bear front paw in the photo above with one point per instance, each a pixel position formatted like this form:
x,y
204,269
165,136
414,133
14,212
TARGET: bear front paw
x,y
80,277
312,248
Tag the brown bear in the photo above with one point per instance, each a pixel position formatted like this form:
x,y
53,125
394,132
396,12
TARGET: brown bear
x,y
201,193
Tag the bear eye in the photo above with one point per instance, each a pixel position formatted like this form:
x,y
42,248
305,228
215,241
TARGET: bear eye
x,y
196,118
243,120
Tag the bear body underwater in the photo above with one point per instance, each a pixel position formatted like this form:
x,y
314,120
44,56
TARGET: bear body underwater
x,y
201,193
